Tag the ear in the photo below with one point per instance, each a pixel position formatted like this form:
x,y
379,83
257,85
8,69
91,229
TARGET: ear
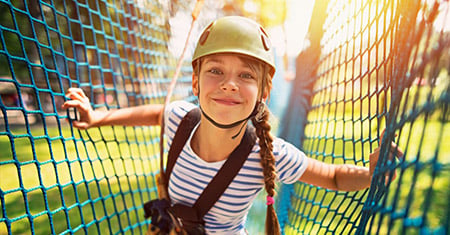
x,y
195,84
265,94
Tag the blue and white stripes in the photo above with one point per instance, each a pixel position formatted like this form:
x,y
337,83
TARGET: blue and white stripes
x,y
191,175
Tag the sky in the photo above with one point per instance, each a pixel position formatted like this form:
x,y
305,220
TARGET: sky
x,y
296,26
290,40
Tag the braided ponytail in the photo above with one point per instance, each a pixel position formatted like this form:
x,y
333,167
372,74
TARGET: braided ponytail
x,y
262,127
268,164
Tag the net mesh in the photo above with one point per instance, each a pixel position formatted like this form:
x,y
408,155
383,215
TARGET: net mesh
x,y
57,179
382,65
378,65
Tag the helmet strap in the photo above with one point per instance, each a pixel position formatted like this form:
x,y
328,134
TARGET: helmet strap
x,y
258,110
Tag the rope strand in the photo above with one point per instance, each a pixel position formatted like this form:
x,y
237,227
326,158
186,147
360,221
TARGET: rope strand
x,y
195,13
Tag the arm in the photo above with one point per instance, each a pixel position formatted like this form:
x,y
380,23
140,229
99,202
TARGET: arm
x,y
144,115
343,177
346,177
133,116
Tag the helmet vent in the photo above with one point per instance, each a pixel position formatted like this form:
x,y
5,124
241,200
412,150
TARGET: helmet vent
x,y
205,34
265,39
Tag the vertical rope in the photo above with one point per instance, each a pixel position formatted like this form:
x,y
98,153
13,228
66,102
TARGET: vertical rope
x,y
300,103
375,65
378,68
162,184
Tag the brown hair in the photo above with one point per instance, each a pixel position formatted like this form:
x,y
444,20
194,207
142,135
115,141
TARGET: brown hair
x,y
267,158
265,140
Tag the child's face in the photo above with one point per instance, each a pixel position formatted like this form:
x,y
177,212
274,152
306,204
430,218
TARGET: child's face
x,y
228,87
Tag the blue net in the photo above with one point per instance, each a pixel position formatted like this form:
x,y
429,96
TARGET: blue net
x,y
57,179
377,65
373,65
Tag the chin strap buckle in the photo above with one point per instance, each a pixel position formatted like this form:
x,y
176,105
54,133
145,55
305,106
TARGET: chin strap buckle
x,y
260,112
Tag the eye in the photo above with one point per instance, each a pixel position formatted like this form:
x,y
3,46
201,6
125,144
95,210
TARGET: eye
x,y
215,71
247,76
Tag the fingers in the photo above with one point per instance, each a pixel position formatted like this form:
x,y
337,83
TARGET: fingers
x,y
396,151
80,125
77,91
77,94
74,104
393,148
388,179
77,99
390,173
382,136
81,102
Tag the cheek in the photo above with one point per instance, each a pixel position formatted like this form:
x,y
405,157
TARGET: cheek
x,y
204,88
208,84
254,89
252,93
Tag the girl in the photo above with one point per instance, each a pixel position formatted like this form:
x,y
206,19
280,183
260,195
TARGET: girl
x,y
233,67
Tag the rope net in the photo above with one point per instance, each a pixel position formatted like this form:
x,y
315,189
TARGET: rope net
x,y
379,64
53,177
375,65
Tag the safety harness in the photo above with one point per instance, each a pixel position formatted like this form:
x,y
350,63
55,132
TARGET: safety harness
x,y
182,219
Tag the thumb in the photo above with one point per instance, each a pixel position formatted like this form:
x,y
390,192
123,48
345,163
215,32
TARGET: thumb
x,y
80,125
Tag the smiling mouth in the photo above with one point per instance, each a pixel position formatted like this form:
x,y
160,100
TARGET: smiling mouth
x,y
226,102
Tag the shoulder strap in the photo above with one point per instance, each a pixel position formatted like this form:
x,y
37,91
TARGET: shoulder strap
x,y
179,140
226,174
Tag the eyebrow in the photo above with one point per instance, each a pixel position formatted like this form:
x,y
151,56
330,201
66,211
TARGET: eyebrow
x,y
207,60
218,60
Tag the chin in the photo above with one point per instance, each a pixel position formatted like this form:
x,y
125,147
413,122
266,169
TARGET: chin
x,y
226,120
226,117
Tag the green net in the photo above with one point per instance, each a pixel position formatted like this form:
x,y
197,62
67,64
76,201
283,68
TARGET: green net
x,y
57,179
375,65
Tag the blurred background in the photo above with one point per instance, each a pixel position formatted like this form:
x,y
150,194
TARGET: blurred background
x,y
346,70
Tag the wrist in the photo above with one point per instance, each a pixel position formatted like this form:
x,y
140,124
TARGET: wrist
x,y
96,118
352,177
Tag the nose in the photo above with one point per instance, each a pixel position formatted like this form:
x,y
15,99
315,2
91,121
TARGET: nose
x,y
229,84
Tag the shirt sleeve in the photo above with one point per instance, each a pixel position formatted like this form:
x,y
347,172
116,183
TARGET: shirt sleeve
x,y
290,162
173,114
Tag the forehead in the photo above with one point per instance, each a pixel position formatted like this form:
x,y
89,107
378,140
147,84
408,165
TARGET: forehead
x,y
222,58
234,58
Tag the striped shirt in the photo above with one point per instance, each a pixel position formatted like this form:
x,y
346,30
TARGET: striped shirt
x,y
191,175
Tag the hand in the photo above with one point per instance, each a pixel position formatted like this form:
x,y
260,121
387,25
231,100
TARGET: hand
x,y
81,102
394,152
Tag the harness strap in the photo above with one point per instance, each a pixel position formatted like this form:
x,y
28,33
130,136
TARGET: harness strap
x,y
179,140
227,172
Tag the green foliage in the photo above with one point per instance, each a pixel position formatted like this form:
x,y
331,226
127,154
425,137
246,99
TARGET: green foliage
x,y
79,186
